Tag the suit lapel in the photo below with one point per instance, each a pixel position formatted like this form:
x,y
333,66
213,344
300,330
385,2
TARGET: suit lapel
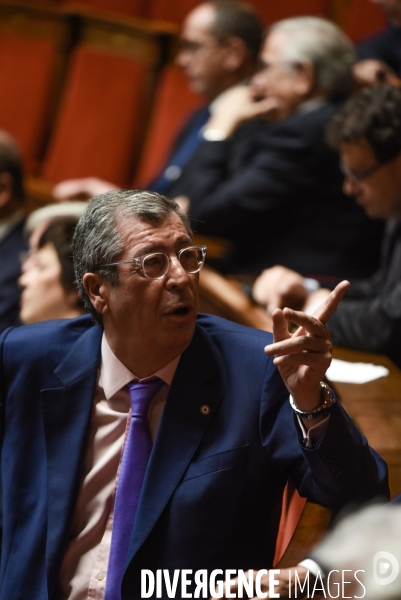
x,y
66,414
196,383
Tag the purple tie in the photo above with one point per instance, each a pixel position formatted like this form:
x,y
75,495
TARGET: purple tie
x,y
137,449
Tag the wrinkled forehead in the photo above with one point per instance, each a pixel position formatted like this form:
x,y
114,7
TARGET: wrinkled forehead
x,y
140,231
356,152
274,45
199,21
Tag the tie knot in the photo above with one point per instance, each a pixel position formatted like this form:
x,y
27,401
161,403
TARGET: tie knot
x,y
142,393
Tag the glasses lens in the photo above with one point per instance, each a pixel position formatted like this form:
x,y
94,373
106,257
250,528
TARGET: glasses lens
x,y
155,265
191,259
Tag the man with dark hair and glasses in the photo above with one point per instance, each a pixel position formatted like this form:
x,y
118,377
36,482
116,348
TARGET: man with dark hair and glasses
x,y
159,439
368,133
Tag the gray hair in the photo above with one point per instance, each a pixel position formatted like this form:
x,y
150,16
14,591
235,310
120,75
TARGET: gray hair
x,y
98,239
354,543
320,42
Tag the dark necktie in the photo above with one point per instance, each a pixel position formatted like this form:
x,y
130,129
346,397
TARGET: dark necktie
x,y
137,449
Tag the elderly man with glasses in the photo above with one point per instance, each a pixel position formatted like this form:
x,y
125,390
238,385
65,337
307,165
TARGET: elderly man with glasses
x,y
158,439
368,133
282,202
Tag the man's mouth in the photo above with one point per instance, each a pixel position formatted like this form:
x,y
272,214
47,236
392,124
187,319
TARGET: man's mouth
x,y
181,311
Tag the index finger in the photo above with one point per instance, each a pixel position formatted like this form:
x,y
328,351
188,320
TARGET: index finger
x,y
329,306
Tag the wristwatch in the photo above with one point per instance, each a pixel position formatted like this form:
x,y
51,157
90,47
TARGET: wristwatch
x,y
320,411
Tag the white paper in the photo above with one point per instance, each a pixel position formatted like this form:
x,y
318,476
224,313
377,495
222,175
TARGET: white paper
x,y
350,372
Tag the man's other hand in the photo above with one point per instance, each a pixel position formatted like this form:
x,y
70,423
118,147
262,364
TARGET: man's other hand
x,y
84,188
278,287
237,106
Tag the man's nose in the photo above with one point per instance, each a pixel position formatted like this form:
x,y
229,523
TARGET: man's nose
x,y
350,186
182,58
176,274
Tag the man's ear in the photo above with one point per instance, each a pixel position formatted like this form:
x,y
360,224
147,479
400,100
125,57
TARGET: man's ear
x,y
237,54
6,188
96,287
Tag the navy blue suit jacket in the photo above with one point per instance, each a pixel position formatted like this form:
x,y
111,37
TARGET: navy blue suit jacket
x,y
212,492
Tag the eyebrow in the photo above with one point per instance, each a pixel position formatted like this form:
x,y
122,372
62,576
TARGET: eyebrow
x,y
162,247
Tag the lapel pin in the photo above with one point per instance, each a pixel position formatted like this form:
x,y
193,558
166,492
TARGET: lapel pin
x,y
205,409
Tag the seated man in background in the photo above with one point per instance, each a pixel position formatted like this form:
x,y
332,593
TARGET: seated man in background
x,y
362,544
381,51
283,203
220,41
368,133
12,241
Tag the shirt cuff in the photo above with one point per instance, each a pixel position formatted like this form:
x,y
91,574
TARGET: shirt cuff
x,y
315,433
311,566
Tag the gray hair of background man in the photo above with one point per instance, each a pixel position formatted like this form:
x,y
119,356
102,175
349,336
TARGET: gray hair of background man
x,y
354,543
11,162
374,114
98,239
237,19
320,42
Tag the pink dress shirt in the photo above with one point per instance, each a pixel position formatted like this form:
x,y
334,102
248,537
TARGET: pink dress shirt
x,y
84,568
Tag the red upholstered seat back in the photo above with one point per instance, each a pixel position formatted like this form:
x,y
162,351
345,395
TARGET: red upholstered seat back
x,y
274,11
174,101
268,10
363,20
134,8
100,122
26,72
166,10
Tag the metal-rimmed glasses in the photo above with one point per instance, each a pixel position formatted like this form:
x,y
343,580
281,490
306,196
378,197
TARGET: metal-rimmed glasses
x,y
156,265
360,177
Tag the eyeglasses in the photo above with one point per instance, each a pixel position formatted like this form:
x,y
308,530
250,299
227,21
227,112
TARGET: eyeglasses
x,y
360,177
157,264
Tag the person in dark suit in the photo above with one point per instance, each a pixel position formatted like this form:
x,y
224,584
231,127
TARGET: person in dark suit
x,y
284,203
219,45
382,49
368,133
12,241
225,435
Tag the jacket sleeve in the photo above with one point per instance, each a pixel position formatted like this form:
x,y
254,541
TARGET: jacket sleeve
x,y
221,198
372,324
339,470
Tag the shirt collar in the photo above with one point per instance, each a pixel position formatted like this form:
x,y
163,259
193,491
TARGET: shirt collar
x,y
311,105
114,375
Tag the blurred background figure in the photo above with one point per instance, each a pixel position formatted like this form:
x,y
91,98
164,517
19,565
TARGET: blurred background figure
x,y
47,283
361,542
12,241
39,220
219,45
368,133
282,202
380,55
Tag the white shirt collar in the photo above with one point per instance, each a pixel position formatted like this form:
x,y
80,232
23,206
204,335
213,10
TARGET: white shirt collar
x,y
311,105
